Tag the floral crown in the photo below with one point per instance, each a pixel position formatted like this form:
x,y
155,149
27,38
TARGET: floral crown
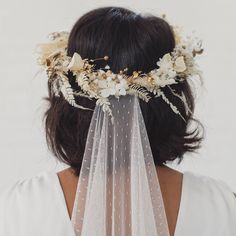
x,y
102,83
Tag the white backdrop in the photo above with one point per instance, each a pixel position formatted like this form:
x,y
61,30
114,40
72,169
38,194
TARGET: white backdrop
x,y
25,23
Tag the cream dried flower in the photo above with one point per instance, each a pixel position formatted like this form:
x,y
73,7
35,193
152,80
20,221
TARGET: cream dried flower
x,y
76,63
111,87
179,64
165,63
107,87
48,50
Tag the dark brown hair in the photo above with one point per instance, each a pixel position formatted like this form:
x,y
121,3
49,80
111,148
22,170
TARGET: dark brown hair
x,y
132,41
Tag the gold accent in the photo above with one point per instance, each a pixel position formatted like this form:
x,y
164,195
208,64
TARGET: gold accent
x,y
135,74
104,76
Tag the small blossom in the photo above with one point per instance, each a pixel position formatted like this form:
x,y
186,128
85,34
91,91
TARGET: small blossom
x,y
107,92
121,87
179,64
76,62
164,79
102,83
165,63
163,83
108,87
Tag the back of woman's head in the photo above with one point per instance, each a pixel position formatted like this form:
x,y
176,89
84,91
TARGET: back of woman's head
x,y
132,41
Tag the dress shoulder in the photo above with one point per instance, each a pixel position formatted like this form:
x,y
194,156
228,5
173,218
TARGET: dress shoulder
x,y
29,202
27,189
27,184
212,187
208,207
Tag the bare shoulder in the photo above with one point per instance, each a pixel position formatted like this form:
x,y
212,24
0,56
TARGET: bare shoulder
x,y
68,182
68,172
171,186
168,175
170,182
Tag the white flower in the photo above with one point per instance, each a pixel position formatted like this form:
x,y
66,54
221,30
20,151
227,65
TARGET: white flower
x,y
107,92
102,83
76,62
120,77
179,64
107,87
171,74
121,87
110,87
163,83
165,63
163,79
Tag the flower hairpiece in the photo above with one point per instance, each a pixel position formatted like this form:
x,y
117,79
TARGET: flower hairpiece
x,y
102,83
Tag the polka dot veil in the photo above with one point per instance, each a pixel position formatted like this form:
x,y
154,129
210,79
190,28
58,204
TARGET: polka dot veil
x,y
118,192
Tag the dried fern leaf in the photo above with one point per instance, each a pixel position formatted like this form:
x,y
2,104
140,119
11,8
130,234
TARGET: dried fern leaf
x,y
173,107
141,92
68,94
183,99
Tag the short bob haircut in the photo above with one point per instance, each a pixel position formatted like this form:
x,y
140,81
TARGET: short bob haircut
x,y
132,41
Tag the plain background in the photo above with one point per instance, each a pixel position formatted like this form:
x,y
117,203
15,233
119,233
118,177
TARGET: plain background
x,y
25,23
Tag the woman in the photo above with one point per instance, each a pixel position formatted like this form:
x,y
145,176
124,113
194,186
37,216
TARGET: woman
x,y
107,196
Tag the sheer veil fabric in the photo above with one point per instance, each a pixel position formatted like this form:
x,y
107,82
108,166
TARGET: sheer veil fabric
x,y
118,192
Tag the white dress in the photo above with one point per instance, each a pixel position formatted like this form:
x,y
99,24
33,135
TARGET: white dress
x,y
36,206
